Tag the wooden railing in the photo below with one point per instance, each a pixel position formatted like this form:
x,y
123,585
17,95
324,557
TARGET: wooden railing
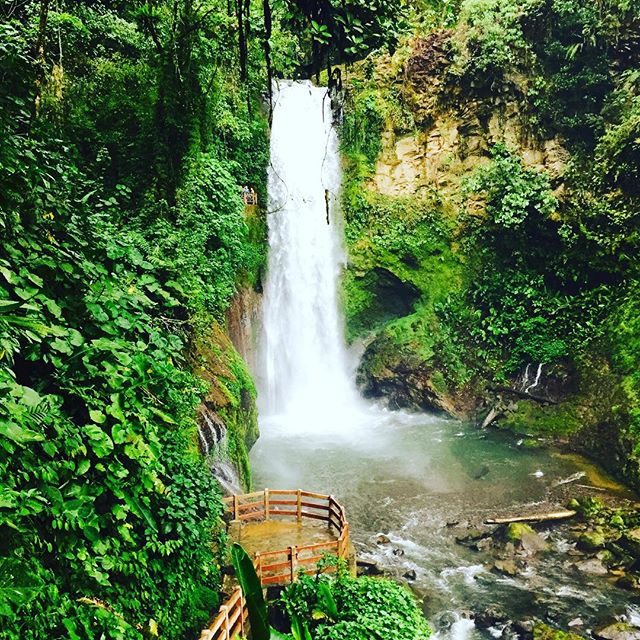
x,y
231,621
282,566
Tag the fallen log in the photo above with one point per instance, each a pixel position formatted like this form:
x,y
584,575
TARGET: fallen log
x,y
491,417
523,394
535,517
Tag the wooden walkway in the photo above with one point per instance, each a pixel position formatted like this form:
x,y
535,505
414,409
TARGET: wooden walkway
x,y
288,533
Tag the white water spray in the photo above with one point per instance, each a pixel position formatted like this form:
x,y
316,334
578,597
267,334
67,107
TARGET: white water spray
x,y
306,382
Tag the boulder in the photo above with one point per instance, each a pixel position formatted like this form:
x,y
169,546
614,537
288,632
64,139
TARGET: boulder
x,y
523,629
368,568
490,617
506,567
543,631
382,539
592,566
472,536
617,631
410,575
591,541
525,538
630,541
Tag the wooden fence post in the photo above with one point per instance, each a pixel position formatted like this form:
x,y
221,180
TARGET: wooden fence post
x,y
225,609
266,504
294,562
299,510
258,565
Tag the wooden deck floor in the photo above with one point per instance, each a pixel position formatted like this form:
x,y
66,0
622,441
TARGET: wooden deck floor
x,y
272,535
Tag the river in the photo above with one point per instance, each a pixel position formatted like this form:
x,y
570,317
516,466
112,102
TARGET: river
x,y
416,479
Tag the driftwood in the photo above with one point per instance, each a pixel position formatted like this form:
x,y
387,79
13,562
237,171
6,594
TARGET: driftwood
x,y
523,394
491,417
534,517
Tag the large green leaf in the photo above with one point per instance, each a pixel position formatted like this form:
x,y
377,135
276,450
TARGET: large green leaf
x,y
19,434
252,590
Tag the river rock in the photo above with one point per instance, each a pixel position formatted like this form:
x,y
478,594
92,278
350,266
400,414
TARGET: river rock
x,y
592,566
591,541
523,629
525,538
410,575
506,567
382,539
490,617
576,622
472,536
482,544
398,552
617,631
368,568
630,541
543,631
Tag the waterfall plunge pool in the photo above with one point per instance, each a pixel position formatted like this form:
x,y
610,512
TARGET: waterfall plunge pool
x,y
410,477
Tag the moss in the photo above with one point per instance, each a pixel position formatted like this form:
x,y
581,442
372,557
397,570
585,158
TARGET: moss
x,y
591,541
543,631
231,395
532,418
517,530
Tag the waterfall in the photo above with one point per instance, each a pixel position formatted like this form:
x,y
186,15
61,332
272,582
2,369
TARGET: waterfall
x,y
305,379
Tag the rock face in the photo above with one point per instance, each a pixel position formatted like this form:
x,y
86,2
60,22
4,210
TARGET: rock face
x,y
229,417
405,382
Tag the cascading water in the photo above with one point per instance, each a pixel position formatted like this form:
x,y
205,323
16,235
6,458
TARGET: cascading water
x,y
306,382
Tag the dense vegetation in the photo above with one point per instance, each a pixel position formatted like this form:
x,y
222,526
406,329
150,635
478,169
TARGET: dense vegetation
x,y
126,139
355,608
128,131
505,238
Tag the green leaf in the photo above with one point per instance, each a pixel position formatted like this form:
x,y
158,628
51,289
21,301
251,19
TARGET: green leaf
x,y
97,416
19,434
100,442
83,466
17,586
9,305
252,590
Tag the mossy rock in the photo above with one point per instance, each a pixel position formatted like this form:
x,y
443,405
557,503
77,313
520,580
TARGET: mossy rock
x,y
543,631
617,631
525,537
551,421
592,541
517,530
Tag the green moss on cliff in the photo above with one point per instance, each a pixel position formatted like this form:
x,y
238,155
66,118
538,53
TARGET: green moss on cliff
x,y
531,418
231,396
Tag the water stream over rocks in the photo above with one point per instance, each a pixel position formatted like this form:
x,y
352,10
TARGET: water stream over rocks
x,y
411,483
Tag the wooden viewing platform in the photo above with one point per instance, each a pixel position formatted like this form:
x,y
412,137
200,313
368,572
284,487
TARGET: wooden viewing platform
x,y
288,532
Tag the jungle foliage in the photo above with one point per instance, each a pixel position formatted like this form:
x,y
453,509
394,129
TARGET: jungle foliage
x,y
333,608
538,267
127,137
128,131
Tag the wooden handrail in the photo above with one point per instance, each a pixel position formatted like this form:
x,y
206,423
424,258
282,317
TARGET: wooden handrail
x,y
291,561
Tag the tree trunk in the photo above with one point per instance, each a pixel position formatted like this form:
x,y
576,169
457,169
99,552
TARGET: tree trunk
x,y
242,39
266,45
40,52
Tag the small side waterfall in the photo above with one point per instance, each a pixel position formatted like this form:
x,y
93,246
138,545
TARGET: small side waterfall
x,y
305,378
212,434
